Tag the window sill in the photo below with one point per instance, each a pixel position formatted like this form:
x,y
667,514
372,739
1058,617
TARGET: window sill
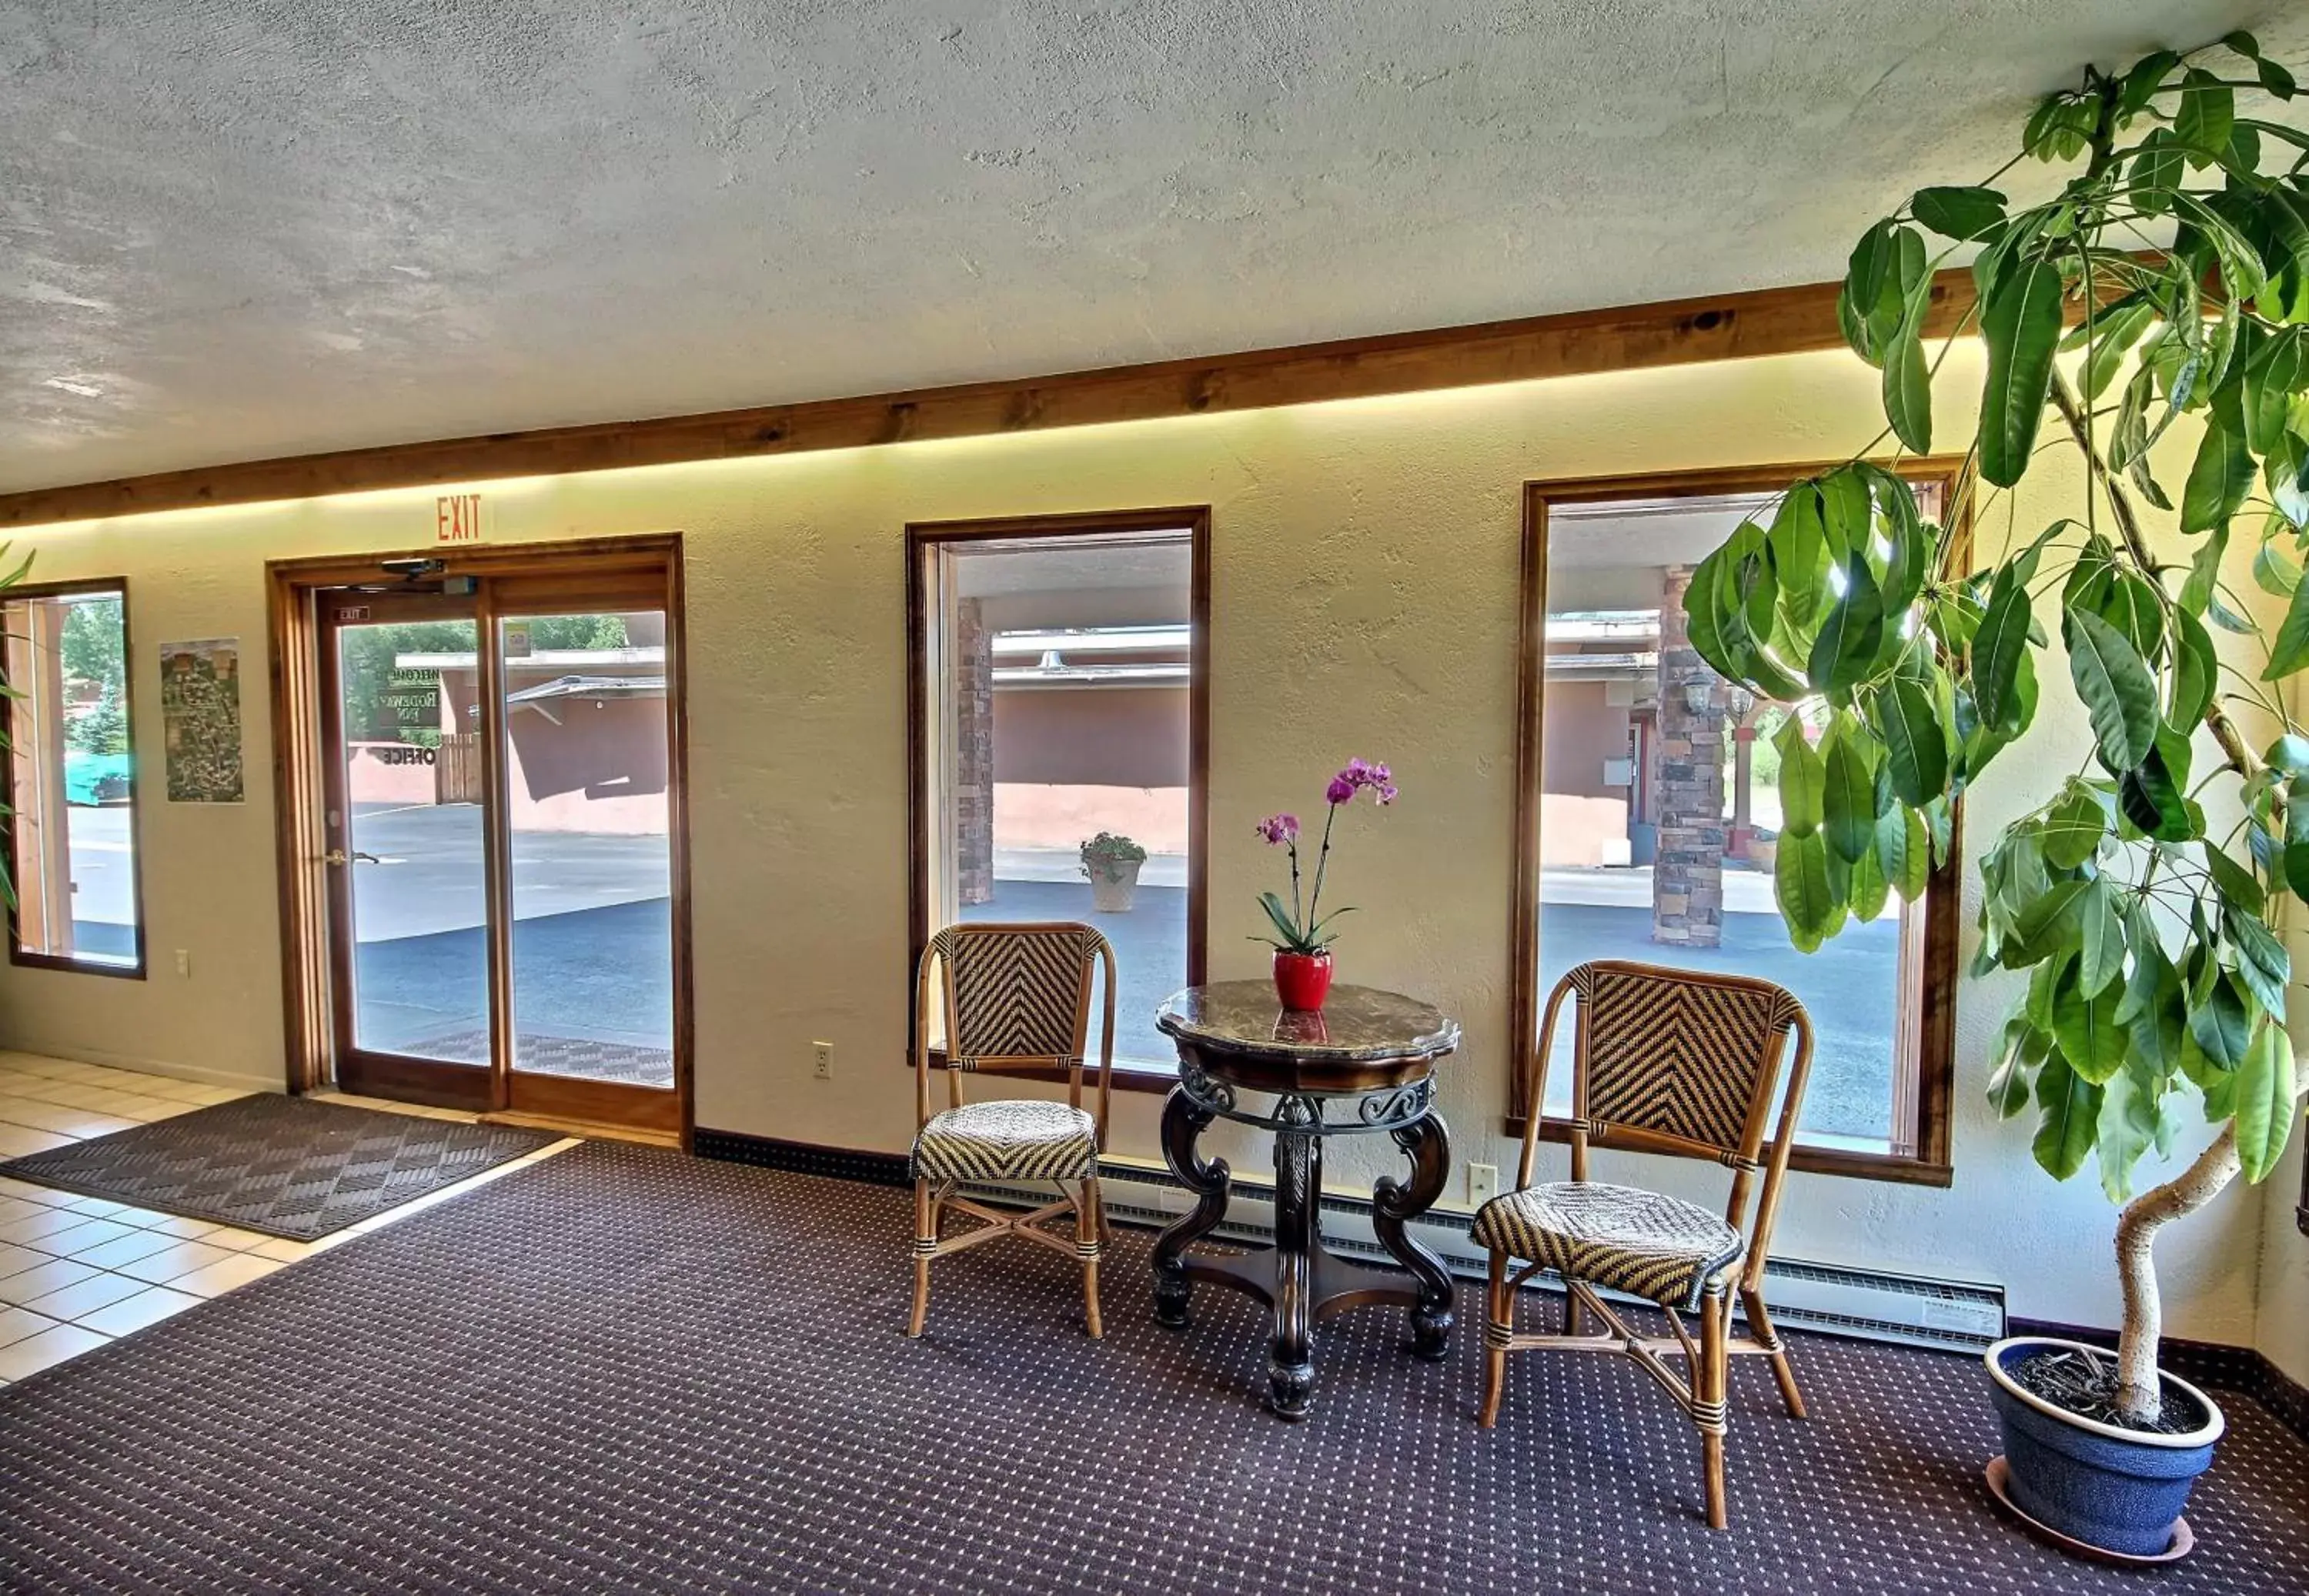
x,y
22,960
1807,1159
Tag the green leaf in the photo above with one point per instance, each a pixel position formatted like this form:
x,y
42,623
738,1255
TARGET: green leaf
x,y
2220,1021
2238,885
1798,546
1803,781
1903,852
2149,797
2206,113
1998,645
1960,213
1868,889
1909,387
2069,1120
2218,480
1810,905
2262,963
2271,378
2073,826
1870,285
1843,653
2126,1129
2265,1103
2086,1027
2142,82
2119,693
2276,79
2296,837
2022,325
2100,959
1914,745
1283,925
2022,1052
1850,799
2204,572
2196,672
2113,333
2290,650
2273,572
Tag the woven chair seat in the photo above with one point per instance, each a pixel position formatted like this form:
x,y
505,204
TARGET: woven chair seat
x,y
1647,1244
1020,1139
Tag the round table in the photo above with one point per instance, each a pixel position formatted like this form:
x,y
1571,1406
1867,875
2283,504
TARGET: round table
x,y
1364,1065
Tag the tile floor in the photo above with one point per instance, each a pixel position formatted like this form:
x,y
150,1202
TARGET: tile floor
x,y
76,1272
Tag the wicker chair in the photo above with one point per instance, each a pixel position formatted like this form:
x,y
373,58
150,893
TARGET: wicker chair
x,y
1014,996
1675,1061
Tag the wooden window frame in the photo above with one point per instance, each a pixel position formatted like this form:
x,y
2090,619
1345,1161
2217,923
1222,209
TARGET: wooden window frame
x,y
922,536
1931,1086
18,955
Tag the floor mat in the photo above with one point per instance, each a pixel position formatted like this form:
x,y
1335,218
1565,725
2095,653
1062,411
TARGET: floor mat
x,y
284,1165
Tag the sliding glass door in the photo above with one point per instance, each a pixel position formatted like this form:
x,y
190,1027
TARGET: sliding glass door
x,y
500,784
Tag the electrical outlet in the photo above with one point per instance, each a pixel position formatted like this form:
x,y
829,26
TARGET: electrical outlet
x,y
824,1054
185,963
1483,1184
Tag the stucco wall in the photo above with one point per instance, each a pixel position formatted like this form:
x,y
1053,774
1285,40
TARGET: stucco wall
x,y
1364,601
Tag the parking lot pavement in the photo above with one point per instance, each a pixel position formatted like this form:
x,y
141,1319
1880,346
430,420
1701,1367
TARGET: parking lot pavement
x,y
592,959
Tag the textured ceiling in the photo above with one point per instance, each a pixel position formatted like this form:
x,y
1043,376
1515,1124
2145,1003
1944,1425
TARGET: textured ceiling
x,y
234,228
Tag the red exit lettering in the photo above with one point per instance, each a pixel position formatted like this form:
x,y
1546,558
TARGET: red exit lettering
x,y
457,518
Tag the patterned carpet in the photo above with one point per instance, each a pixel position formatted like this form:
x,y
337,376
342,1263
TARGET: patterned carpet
x,y
625,1370
284,1165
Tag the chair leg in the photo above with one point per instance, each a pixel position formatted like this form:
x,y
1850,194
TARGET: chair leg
x,y
1090,1221
1575,1315
1759,1324
1711,1381
926,1235
1499,1322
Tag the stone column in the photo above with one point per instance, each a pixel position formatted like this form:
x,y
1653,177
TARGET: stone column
x,y
1688,756
973,764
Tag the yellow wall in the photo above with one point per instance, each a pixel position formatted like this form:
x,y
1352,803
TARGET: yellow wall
x,y
1363,602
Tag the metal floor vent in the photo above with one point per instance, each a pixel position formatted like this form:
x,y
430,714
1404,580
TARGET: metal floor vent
x,y
1831,1299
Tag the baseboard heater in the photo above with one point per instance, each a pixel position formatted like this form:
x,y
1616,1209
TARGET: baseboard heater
x,y
1832,1298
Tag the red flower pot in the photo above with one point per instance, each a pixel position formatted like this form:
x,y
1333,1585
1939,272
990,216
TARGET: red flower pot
x,y
1302,980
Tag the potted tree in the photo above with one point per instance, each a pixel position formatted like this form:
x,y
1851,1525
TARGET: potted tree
x,y
1112,863
2140,895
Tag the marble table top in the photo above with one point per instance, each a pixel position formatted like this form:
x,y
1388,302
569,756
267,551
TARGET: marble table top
x,y
1356,1023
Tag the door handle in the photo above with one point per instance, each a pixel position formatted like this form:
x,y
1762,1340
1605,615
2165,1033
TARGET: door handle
x,y
337,855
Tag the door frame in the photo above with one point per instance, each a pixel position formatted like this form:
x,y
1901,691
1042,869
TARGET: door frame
x,y
299,745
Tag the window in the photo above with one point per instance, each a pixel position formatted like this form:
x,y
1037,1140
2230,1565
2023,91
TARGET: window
x,y
1058,713
1648,809
71,786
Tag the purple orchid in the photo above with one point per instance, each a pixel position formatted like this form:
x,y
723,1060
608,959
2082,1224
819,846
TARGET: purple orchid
x,y
1304,933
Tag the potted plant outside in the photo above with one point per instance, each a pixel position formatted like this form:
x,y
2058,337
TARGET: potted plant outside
x,y
1112,864
2137,898
1302,937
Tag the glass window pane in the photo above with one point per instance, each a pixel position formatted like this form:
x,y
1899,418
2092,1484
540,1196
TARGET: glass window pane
x,y
586,761
415,869
1660,813
1062,670
73,861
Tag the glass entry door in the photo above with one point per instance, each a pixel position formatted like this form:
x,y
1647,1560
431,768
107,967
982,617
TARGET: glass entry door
x,y
498,783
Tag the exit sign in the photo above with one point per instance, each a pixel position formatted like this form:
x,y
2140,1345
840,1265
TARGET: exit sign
x,y
457,518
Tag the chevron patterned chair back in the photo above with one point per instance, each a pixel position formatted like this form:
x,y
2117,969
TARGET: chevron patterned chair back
x,y
1010,997
1682,1062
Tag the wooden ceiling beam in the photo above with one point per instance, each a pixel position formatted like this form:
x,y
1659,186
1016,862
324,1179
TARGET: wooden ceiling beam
x,y
1721,327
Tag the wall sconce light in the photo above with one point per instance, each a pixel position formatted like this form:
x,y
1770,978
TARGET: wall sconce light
x,y
1700,696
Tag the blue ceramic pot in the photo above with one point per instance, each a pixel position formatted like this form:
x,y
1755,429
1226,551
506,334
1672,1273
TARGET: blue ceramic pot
x,y
2117,1489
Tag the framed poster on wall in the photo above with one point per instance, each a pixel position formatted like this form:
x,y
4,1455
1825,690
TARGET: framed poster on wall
x,y
200,713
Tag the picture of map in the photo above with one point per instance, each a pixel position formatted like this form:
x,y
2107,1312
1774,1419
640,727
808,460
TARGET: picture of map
x,y
200,708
